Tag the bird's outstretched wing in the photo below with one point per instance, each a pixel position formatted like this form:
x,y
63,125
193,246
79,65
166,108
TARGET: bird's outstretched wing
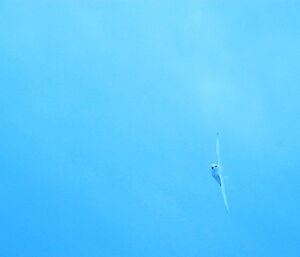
x,y
218,150
224,191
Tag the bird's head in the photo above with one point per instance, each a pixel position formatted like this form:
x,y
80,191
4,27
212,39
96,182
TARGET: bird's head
x,y
214,166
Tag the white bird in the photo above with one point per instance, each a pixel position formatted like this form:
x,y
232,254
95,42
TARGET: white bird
x,y
217,172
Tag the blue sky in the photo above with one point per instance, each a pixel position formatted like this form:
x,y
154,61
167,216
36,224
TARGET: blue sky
x,y
109,111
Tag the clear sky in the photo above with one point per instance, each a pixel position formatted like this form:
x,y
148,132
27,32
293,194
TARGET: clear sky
x,y
109,111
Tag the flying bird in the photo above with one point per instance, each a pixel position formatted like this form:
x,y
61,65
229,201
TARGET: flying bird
x,y
217,172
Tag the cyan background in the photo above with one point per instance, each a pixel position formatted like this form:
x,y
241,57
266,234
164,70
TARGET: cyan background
x,y
109,111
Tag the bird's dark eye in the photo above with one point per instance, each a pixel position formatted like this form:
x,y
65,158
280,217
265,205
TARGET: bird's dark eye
x,y
212,167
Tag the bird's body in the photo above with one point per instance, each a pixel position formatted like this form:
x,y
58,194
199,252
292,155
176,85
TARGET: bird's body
x,y
215,173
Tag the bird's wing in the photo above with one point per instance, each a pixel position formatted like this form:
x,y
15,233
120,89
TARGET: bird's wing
x,y
224,192
218,150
